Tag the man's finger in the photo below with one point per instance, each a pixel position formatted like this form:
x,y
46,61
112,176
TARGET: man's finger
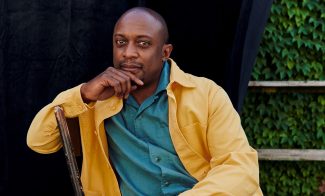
x,y
126,81
133,77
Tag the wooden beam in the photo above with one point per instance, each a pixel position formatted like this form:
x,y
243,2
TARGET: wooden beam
x,y
286,83
291,154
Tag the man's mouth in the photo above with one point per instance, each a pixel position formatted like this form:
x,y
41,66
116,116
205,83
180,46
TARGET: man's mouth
x,y
130,67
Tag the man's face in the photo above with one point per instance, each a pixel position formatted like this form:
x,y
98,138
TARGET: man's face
x,y
138,46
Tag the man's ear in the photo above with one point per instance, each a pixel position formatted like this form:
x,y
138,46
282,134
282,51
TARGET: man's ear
x,y
167,50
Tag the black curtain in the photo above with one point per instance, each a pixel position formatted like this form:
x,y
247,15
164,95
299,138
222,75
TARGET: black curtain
x,y
48,46
248,34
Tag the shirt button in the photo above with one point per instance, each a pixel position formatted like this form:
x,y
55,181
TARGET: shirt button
x,y
157,159
166,183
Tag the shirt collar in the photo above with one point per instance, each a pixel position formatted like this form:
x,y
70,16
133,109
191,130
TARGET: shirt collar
x,y
164,78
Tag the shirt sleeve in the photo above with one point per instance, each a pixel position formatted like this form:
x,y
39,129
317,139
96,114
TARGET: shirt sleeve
x,y
234,164
43,135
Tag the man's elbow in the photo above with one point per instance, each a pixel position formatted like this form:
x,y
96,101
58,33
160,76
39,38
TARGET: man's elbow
x,y
43,145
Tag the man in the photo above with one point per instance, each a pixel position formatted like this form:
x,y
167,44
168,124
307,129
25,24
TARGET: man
x,y
148,128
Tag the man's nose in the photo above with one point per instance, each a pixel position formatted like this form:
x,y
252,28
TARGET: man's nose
x,y
130,51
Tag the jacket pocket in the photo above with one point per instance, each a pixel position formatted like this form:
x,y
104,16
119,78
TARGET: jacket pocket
x,y
196,134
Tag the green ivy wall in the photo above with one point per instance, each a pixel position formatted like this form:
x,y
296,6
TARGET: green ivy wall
x,y
292,48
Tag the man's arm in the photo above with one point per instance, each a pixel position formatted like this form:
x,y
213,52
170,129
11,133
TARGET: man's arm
x,y
43,135
234,164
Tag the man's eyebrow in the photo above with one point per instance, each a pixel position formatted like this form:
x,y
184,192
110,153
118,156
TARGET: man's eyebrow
x,y
138,37
143,36
118,35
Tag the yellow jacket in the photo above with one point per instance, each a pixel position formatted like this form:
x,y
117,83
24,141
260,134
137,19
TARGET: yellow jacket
x,y
204,127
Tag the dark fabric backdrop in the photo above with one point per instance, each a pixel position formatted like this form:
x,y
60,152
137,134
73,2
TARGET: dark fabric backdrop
x,y
48,46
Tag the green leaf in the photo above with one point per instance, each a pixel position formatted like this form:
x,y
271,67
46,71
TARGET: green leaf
x,y
290,64
291,13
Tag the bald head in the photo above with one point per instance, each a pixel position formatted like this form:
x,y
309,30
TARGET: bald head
x,y
136,11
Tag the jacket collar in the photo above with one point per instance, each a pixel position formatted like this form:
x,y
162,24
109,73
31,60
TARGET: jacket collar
x,y
179,76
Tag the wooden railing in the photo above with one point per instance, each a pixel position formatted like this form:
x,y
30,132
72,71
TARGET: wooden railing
x,y
290,154
286,84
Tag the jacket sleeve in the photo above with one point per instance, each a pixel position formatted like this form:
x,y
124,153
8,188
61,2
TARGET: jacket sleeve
x,y
43,135
234,164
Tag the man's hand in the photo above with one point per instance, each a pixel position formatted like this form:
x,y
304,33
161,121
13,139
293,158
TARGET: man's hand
x,y
111,82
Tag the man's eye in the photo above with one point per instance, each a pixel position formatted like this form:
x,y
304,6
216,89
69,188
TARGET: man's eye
x,y
144,43
120,42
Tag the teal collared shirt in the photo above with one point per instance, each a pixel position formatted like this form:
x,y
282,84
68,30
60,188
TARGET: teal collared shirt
x,y
141,149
